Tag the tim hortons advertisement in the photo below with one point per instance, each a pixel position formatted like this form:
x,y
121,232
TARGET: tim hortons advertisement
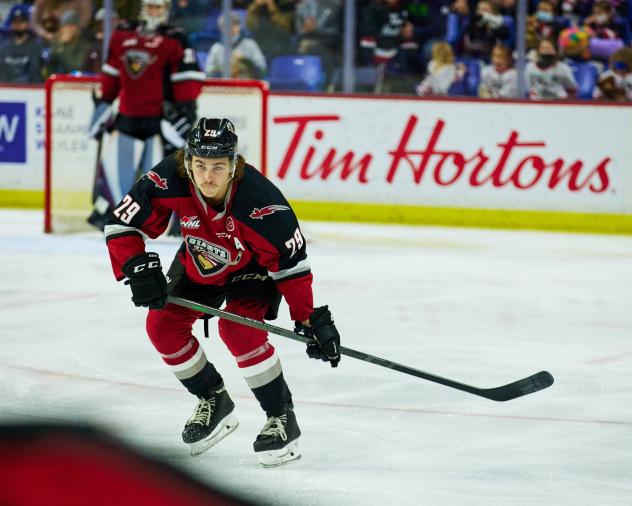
x,y
543,157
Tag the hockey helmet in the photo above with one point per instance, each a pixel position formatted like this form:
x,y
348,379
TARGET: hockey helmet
x,y
211,138
153,22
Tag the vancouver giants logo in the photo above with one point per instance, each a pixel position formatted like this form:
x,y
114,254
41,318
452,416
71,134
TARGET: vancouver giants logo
x,y
190,222
160,182
210,259
136,62
259,214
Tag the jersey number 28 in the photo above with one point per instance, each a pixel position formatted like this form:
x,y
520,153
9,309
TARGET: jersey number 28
x,y
295,242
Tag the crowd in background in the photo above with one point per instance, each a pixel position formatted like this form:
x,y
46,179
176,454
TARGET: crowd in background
x,y
575,48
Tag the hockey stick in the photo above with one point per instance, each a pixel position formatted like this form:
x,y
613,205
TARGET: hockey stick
x,y
529,385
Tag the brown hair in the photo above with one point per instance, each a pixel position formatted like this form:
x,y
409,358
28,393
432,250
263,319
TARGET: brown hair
x,y
505,51
182,171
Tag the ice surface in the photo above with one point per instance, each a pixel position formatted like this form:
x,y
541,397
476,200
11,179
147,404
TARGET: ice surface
x,y
478,306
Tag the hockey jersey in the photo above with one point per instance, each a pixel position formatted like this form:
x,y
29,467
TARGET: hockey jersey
x,y
550,83
146,69
496,84
256,223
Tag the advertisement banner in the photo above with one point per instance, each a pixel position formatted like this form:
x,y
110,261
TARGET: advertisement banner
x,y
461,154
21,137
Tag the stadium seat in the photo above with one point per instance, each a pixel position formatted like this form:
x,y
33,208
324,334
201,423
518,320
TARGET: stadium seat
x,y
469,85
601,49
296,72
454,29
201,58
586,76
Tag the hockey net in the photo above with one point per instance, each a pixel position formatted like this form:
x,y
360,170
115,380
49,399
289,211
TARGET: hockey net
x,y
71,157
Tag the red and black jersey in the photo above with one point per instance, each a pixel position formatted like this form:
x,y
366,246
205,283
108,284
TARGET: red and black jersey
x,y
256,223
146,69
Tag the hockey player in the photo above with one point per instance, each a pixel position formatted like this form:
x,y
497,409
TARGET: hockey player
x,y
242,245
156,77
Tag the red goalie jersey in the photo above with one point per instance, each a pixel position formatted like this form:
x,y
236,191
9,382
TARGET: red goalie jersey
x,y
256,224
146,69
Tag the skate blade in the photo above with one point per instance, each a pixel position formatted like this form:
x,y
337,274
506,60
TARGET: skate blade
x,y
275,458
225,427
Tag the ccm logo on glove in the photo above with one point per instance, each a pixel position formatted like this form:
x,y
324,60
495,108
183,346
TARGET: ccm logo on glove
x,y
145,278
325,340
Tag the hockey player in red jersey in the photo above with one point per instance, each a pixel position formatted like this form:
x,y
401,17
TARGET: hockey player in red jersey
x,y
241,245
154,73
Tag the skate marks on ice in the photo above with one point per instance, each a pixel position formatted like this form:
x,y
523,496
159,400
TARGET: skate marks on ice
x,y
74,348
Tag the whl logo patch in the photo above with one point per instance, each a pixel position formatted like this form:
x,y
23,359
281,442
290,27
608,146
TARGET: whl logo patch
x,y
210,259
190,222
259,214
160,182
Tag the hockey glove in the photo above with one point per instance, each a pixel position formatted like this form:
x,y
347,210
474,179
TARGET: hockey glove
x,y
145,278
326,345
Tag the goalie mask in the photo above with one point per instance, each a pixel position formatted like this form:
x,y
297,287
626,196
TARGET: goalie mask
x,y
211,138
151,20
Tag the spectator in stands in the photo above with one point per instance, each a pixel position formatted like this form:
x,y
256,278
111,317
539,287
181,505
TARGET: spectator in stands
x,y
245,54
70,50
124,9
387,39
547,77
604,22
318,25
270,23
506,7
21,55
428,21
190,15
616,83
47,15
543,24
486,29
442,74
500,79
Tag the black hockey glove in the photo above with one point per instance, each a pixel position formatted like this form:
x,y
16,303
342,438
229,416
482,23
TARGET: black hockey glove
x,y
325,337
145,278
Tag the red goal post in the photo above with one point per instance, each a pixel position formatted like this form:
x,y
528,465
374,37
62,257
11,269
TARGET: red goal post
x,y
71,157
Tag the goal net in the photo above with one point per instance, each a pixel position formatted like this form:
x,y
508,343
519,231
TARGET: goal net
x,y
71,156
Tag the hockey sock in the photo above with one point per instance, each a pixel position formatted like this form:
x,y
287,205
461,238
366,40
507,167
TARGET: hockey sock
x,y
274,396
201,383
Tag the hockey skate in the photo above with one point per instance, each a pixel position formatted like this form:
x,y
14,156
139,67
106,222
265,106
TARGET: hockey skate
x,y
277,443
212,420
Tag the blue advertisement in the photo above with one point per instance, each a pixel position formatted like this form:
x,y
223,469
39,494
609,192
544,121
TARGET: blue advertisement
x,y
12,132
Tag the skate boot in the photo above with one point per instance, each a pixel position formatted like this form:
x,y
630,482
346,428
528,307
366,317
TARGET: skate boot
x,y
277,443
212,420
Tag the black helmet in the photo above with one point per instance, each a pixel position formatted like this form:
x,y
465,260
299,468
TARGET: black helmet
x,y
212,138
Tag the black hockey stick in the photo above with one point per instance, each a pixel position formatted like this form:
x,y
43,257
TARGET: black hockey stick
x,y
538,381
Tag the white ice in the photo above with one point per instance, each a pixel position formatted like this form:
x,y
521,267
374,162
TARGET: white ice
x,y
482,307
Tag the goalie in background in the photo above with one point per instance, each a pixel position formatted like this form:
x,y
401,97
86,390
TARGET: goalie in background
x,y
155,75
242,245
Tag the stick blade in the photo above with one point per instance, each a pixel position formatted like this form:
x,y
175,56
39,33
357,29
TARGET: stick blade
x,y
526,386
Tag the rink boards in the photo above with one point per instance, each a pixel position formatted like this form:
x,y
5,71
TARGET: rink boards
x,y
389,159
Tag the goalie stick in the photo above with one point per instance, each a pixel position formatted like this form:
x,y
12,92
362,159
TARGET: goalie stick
x,y
529,385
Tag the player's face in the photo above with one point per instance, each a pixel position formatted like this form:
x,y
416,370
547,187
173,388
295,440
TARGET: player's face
x,y
154,11
211,175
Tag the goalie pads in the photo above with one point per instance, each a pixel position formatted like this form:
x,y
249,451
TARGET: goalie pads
x,y
101,116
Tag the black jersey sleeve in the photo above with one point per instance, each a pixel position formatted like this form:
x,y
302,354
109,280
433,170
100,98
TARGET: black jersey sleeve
x,y
144,212
272,229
